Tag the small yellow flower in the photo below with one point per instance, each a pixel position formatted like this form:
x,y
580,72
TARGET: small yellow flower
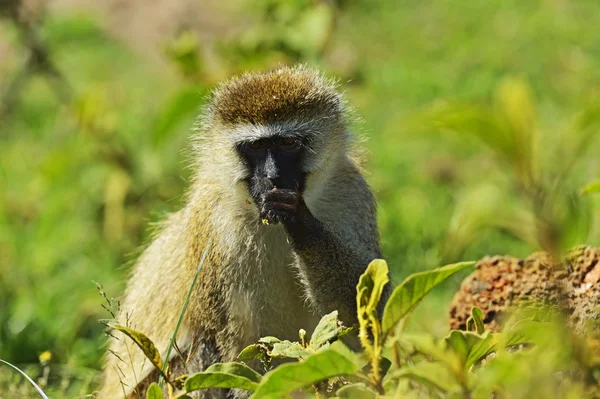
x,y
265,221
45,357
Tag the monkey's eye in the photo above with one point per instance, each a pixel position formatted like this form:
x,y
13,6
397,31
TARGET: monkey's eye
x,y
287,143
256,145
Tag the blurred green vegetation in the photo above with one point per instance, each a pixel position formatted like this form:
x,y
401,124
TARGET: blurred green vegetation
x,y
82,180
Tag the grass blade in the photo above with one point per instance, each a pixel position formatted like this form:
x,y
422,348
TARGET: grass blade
x,y
185,305
43,395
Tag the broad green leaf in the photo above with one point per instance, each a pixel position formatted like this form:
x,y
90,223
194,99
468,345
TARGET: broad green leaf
x,y
287,349
154,392
591,188
369,291
412,290
433,375
251,352
145,344
469,346
335,361
477,316
356,391
327,330
224,375
370,285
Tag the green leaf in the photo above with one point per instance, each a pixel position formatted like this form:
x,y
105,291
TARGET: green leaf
x,y
369,291
287,349
356,391
269,341
591,188
337,360
326,331
145,344
224,375
370,285
477,316
412,290
433,375
251,352
154,392
469,346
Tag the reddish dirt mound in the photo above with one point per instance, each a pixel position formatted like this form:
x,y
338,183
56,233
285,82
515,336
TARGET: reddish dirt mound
x,y
503,282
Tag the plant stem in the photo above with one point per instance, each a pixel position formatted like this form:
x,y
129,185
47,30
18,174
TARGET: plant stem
x,y
185,304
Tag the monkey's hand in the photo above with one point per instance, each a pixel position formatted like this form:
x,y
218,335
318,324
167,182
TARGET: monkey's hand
x,y
282,205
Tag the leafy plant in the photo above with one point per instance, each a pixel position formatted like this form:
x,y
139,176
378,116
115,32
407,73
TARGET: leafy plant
x,y
547,213
457,365
323,362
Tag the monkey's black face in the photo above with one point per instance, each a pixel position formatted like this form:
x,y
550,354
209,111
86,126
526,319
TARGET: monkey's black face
x,y
273,162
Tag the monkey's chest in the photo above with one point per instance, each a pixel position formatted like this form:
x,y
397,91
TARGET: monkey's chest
x,y
268,297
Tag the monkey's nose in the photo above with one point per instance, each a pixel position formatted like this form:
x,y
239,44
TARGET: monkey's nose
x,y
271,171
272,176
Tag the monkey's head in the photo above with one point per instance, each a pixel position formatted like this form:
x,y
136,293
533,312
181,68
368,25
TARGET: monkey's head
x,y
283,129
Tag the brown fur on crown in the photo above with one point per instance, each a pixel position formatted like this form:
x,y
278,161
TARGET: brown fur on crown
x,y
279,95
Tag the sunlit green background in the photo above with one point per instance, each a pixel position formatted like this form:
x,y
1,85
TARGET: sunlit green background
x,y
89,160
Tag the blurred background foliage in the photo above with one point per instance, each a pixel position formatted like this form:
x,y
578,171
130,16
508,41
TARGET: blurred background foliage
x,y
481,117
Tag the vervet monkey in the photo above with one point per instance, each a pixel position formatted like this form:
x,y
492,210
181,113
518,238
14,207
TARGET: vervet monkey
x,y
278,193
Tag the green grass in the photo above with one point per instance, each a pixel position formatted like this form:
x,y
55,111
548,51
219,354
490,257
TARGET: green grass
x,y
58,160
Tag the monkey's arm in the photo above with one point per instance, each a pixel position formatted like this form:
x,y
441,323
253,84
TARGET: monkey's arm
x,y
331,262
